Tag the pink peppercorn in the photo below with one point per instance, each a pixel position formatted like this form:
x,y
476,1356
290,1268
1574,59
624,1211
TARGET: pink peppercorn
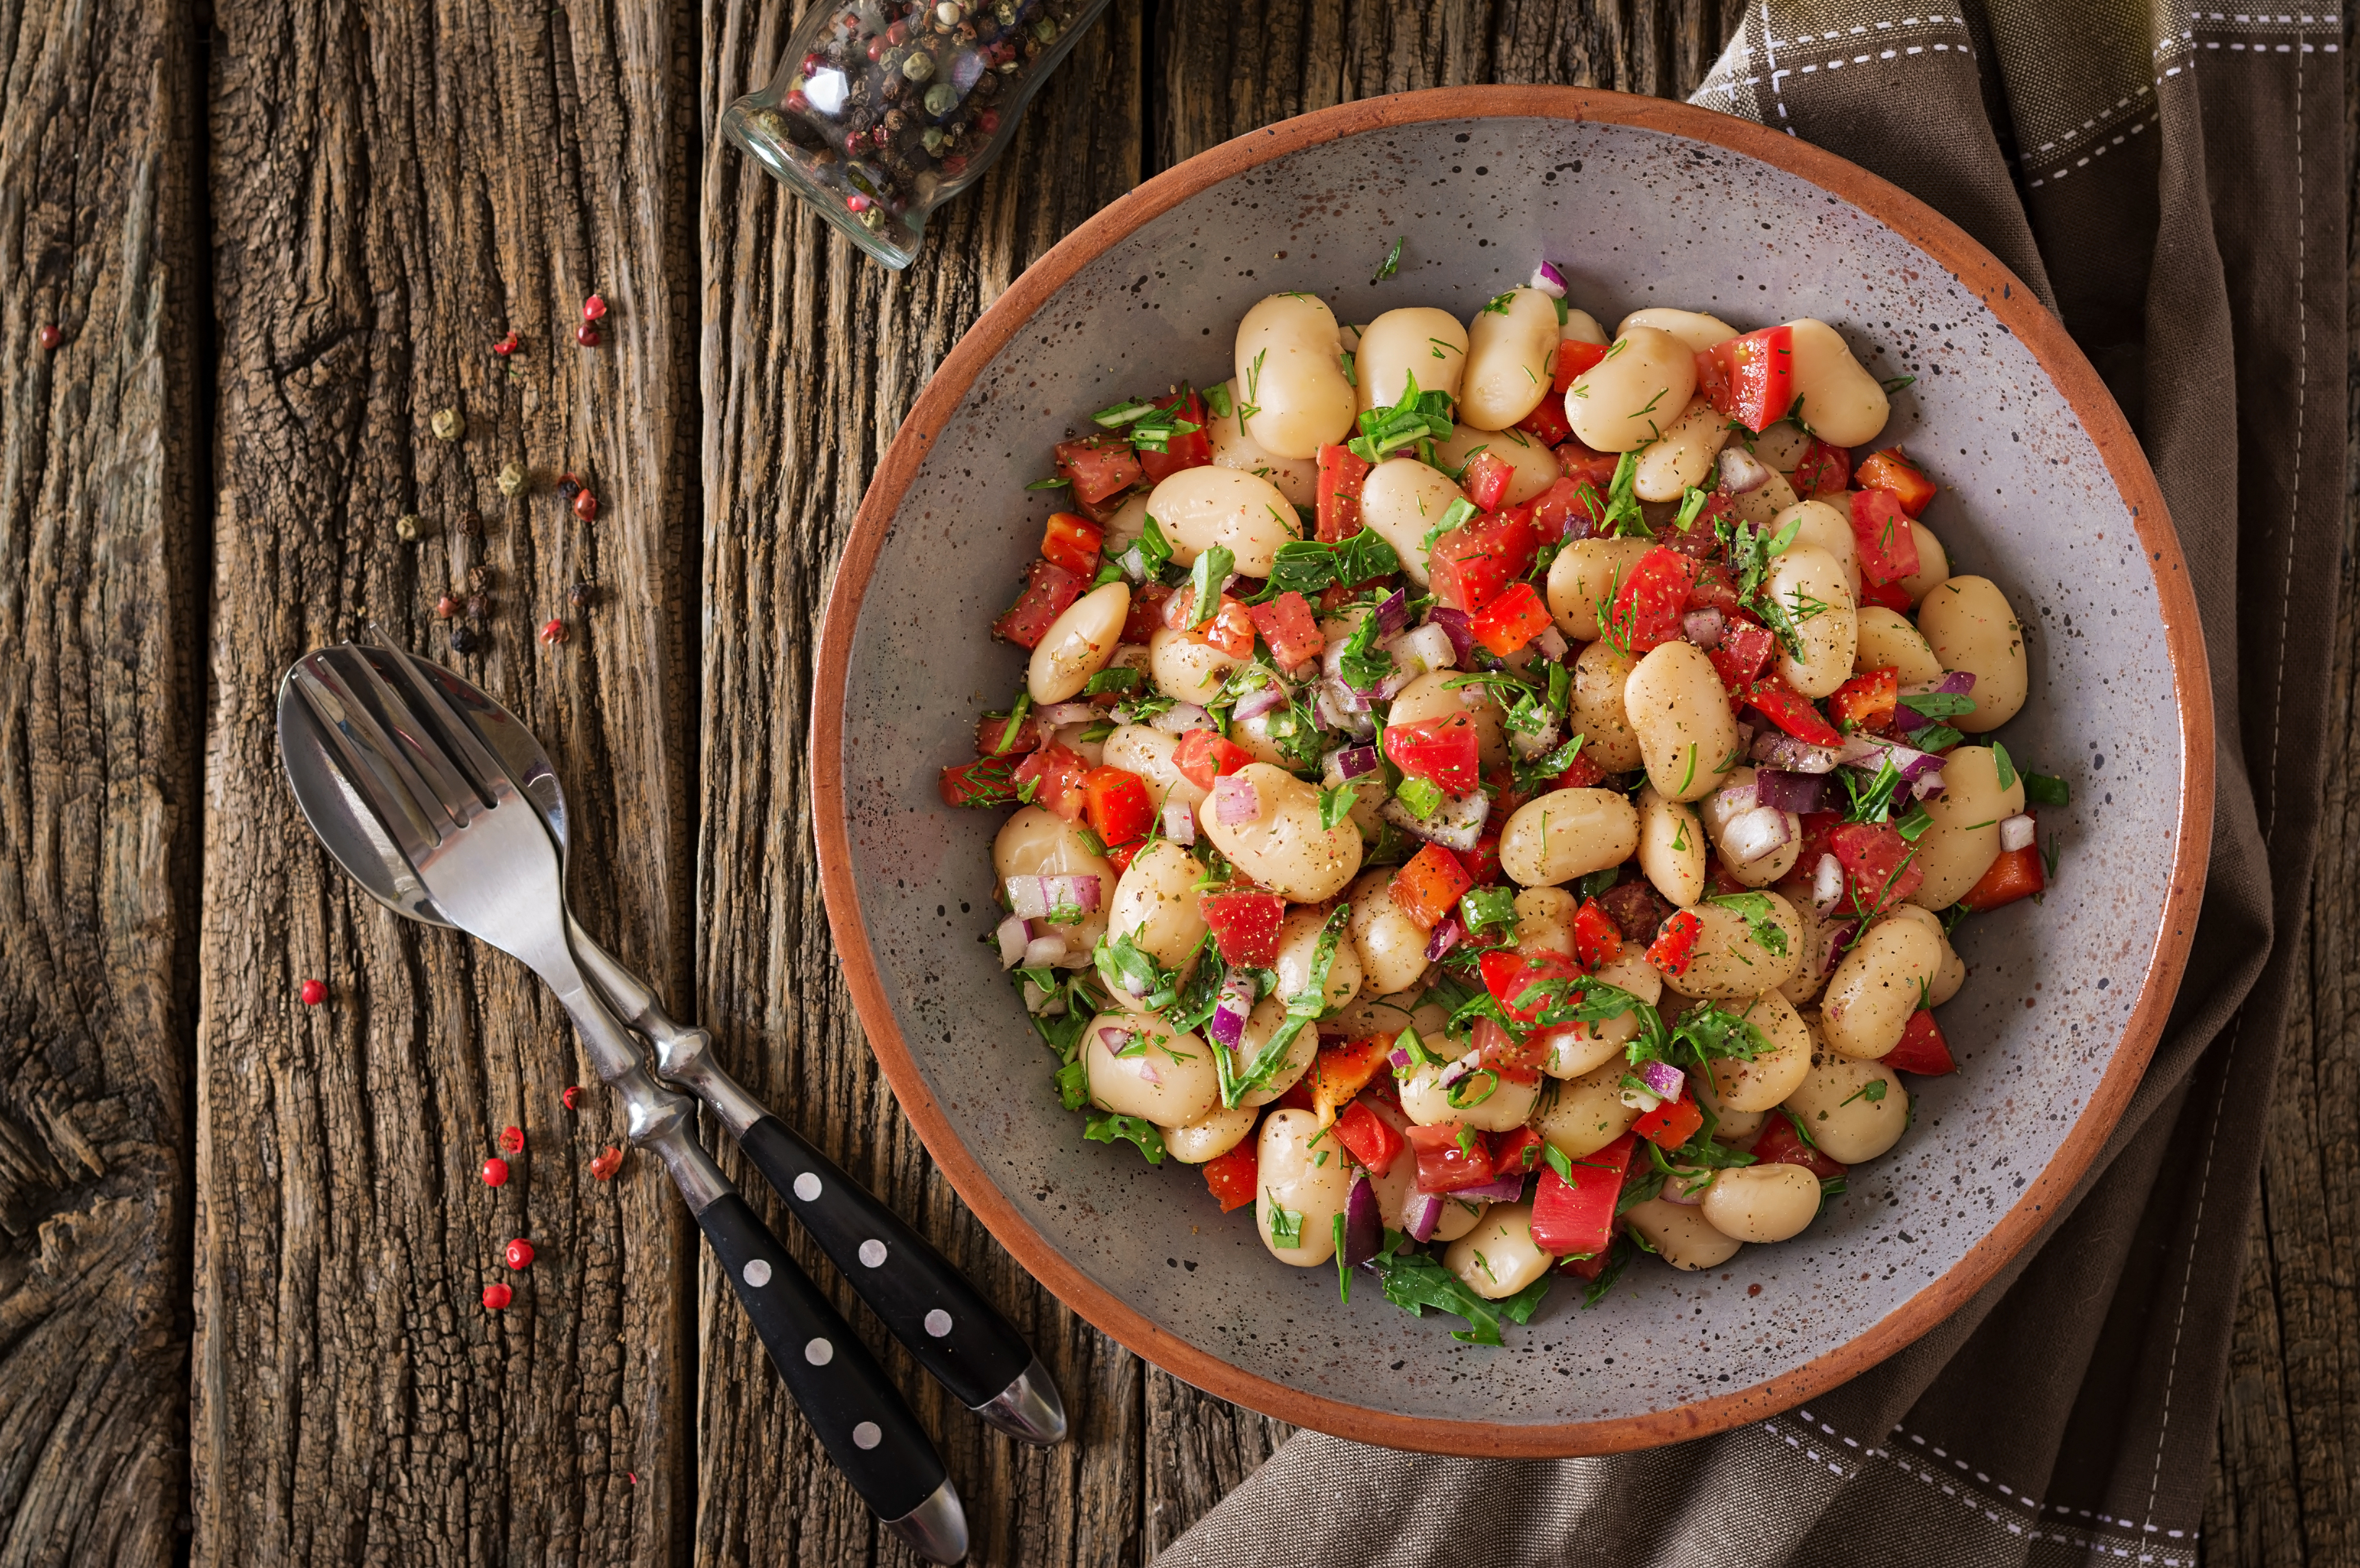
x,y
313,993
497,1297
52,335
586,335
512,1140
495,1171
520,1254
594,307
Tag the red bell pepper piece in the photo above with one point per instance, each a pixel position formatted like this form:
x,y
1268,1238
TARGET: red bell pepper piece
x,y
1647,610
1203,755
1547,422
986,781
1099,466
1791,710
1484,481
1671,1123
1482,862
1576,1219
1234,1178
1508,974
1516,1151
1745,651
1585,464
1597,939
1446,1161
1674,946
1471,566
1118,805
1444,751
1072,541
1147,602
2015,874
1868,700
1882,542
1340,472
1511,619
1245,921
1428,887
1581,773
1780,1144
1514,1058
1287,625
1367,1138
1922,1048
1048,590
1192,450
1881,867
1824,468
1750,379
1057,779
1892,470
1892,595
1573,360
1341,1071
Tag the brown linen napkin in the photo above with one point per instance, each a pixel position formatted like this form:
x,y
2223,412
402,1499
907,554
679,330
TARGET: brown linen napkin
x,y
2171,182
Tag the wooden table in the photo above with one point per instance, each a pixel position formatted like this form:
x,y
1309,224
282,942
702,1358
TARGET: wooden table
x,y
245,1238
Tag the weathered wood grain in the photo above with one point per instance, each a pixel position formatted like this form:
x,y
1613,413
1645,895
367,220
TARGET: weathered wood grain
x,y
101,603
812,356
394,187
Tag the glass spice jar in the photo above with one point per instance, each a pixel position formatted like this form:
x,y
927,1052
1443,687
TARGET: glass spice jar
x,y
883,110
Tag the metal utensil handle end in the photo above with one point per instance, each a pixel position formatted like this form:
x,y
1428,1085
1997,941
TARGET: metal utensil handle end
x,y
936,1529
1029,1409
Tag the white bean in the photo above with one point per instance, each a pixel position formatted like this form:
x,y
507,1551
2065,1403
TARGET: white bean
x,y
1200,507
1679,710
1482,1100
1886,641
1822,526
1298,946
1418,342
1842,402
1498,1258
1964,840
1218,1132
1933,563
1586,575
1762,1202
1970,624
1588,1113
1671,847
1782,446
1762,506
1401,499
1139,1065
1693,327
1601,675
1077,644
1511,349
1303,1171
1297,478
1185,667
1627,399
1286,849
1679,459
1680,1234
1578,1049
1391,946
1878,986
1817,595
1809,977
1834,1105
1729,960
1135,748
1156,903
1036,842
1533,466
1951,972
1568,834
1289,361
1760,1083
1580,326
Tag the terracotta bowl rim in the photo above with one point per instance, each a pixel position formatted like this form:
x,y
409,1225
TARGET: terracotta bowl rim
x,y
2016,308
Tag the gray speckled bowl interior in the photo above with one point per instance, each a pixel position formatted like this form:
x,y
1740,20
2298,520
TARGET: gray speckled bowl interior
x,y
1635,218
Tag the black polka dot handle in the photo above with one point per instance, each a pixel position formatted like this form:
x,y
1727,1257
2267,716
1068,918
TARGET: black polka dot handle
x,y
854,1410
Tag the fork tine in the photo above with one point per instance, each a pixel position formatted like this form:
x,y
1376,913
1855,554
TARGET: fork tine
x,y
422,747
360,748
418,677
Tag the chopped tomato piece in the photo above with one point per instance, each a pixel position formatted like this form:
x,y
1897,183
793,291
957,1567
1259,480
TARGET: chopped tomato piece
x,y
1190,449
1297,1097
1574,361
1581,773
1516,1151
1547,422
1516,1058
1428,887
1048,590
1287,625
1203,755
1231,629
1482,862
1922,1050
1892,470
1780,1144
1340,472
1146,612
1245,925
1511,619
1881,867
1234,1178
1586,465
1714,589
1882,542
1647,611
1791,710
1750,379
1745,648
1030,734
1824,468
1868,700
1674,946
1565,510
1485,480
1576,1219
1444,751
986,781
1672,1123
1446,1161
1341,1071
2015,874
1057,779
1099,466
1508,975
1892,595
1118,805
1367,1138
1072,541
1597,939
1471,566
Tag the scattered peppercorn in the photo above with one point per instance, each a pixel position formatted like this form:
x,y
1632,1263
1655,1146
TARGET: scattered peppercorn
x,y
585,505
512,1140
606,1163
594,307
448,424
472,525
552,632
477,604
568,486
497,1297
314,992
586,335
579,596
446,607
572,1092
52,335
520,1254
495,1171
406,527
507,345
476,578
512,479
464,639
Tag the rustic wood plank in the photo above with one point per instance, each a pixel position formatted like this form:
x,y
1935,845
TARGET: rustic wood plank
x,y
100,555
812,356
393,187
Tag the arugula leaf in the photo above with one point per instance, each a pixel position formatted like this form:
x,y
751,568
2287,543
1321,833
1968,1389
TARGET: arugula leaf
x,y
1363,665
1206,582
1106,1128
1419,797
1482,907
1873,1091
1415,1280
1617,1259
1936,737
2006,765
1126,967
1392,261
1285,1223
1056,484
1761,924
1148,555
1335,805
2040,790
1623,517
1419,417
1304,1008
1114,679
1307,566
1940,704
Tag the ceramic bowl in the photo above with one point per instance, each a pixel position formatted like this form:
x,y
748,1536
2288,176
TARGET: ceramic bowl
x,y
1642,202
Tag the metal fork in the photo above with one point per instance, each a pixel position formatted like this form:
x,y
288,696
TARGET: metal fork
x,y
485,858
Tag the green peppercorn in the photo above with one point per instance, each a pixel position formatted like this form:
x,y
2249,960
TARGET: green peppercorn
x,y
771,124
405,526
919,66
512,479
1045,29
940,98
448,424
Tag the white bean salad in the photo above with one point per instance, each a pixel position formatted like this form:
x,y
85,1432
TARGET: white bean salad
x,y
1497,795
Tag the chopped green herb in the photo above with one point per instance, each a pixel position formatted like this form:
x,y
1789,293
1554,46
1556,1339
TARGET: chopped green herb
x,y
1392,263
1206,581
1415,1280
1058,483
1420,797
1105,1126
1285,1223
1898,383
1940,704
1335,805
2005,765
1761,922
1119,679
2040,790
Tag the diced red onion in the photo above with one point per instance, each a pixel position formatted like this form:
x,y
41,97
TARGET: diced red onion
x,y
1339,707
1446,937
1548,280
1834,938
1551,644
1147,1072
1399,1057
1117,1039
1928,785
1676,1190
1760,832
1862,751
1029,896
1735,798
1057,715
1530,744
1351,761
1741,472
1779,749
1458,626
1182,717
1429,648
1231,1008
2017,833
1795,792
1456,824
1080,892
1827,883
1392,616
1179,822
1236,800
1364,1223
1664,1078
1422,1213
1013,935
1453,1071
1046,948
1259,701
1704,628
1504,1190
